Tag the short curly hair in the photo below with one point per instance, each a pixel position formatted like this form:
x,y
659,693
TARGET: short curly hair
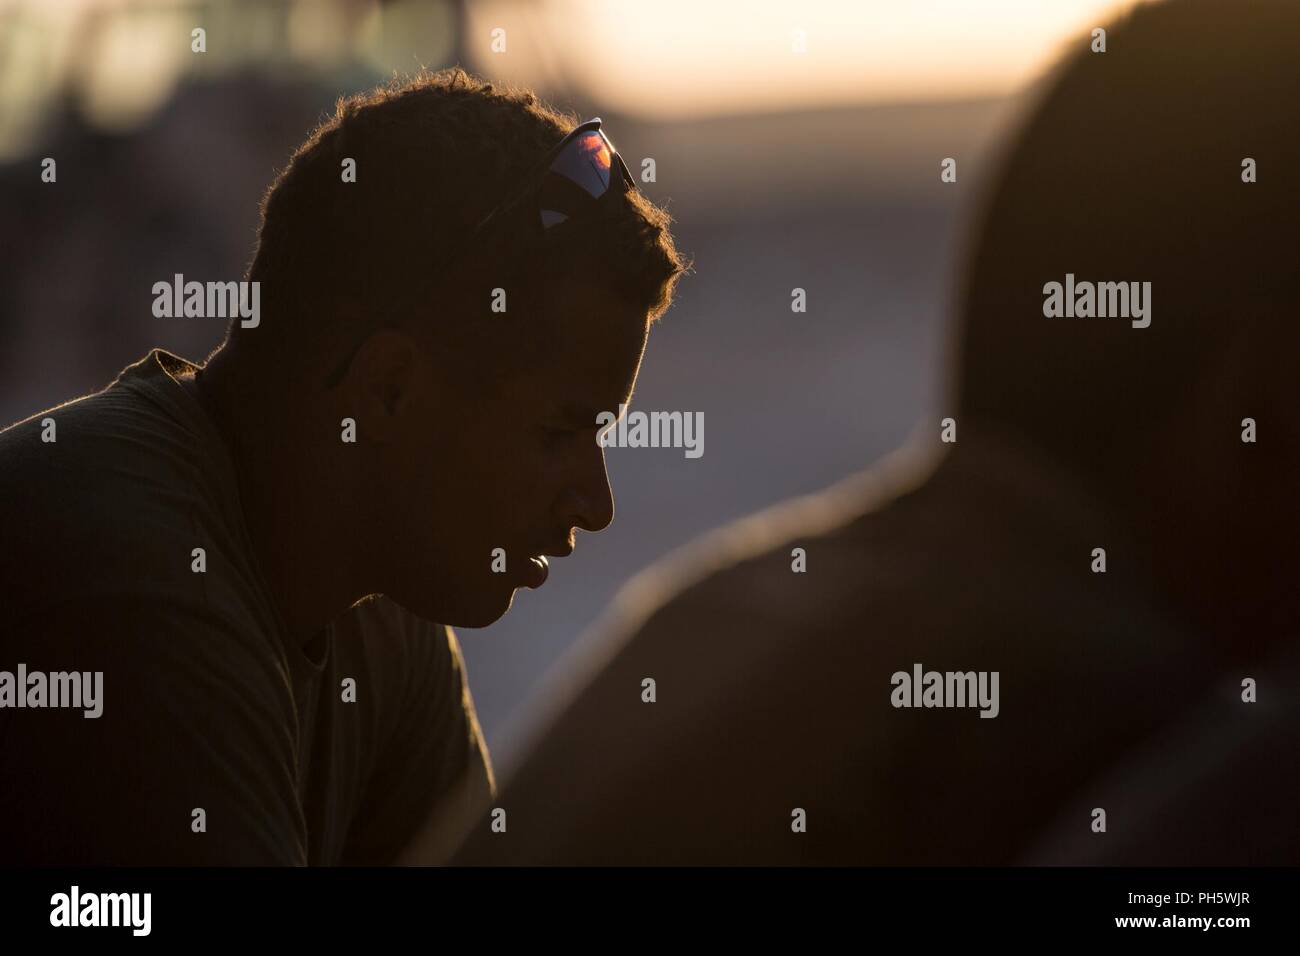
x,y
433,153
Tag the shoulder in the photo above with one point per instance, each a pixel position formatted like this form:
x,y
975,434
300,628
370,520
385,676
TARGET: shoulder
x,y
119,540
127,422
108,493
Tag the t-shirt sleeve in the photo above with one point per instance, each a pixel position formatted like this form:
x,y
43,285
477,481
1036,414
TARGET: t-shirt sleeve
x,y
190,760
434,774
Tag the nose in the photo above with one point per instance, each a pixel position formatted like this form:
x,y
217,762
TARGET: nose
x,y
589,502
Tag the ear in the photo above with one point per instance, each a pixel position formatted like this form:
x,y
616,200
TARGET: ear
x,y
386,385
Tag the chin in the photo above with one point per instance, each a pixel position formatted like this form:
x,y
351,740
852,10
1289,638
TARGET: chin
x,y
477,610
481,617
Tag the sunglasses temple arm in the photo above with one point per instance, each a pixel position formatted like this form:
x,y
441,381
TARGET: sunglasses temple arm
x,y
627,173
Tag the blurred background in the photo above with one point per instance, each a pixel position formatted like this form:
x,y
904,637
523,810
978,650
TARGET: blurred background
x,y
795,143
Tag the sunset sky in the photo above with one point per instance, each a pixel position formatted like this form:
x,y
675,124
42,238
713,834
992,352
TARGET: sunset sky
x,y
673,58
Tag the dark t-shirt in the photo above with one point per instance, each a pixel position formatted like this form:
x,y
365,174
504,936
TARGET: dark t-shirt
x,y
337,751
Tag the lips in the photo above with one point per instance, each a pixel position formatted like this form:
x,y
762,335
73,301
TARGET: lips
x,y
536,571
537,568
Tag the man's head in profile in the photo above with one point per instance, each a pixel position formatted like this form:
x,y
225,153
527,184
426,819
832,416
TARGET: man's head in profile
x,y
258,558
472,357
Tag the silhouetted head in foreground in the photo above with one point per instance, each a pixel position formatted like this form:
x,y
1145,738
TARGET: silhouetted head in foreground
x,y
1165,165
472,364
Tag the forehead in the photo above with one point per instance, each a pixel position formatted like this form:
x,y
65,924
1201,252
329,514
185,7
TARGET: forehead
x,y
591,342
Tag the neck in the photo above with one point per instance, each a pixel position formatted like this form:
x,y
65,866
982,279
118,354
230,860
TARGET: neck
x,y
290,497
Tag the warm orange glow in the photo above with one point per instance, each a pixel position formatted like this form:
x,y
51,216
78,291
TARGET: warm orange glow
x,y
673,58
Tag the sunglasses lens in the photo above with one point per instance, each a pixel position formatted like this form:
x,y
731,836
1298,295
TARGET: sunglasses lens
x,y
579,176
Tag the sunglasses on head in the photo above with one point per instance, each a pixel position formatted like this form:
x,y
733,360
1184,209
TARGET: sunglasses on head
x,y
579,174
